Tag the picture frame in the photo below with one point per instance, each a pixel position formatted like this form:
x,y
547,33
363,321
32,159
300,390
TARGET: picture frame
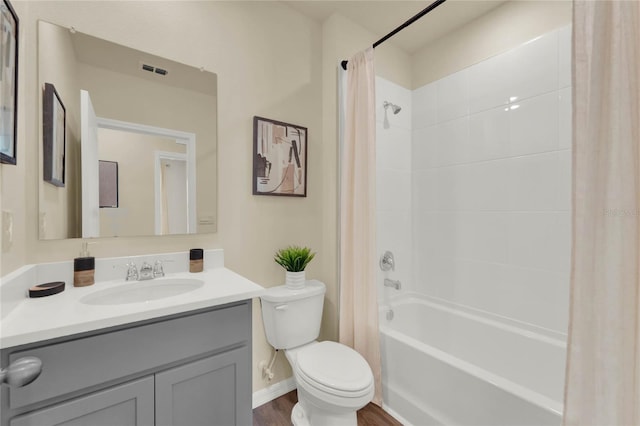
x,y
279,158
9,27
108,184
54,135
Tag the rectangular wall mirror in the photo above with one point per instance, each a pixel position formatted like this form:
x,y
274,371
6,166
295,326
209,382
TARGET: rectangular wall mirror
x,y
153,117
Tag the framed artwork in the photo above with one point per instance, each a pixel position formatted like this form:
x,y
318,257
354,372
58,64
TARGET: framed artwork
x,y
54,136
8,82
108,184
279,158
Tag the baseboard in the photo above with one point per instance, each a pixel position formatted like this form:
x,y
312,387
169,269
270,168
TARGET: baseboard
x,y
270,393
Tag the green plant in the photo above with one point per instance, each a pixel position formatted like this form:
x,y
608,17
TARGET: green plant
x,y
294,258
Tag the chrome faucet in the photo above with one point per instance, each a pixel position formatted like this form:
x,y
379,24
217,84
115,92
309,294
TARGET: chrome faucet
x,y
146,272
392,283
158,270
132,272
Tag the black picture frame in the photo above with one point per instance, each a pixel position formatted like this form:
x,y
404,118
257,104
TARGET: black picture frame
x,y
109,191
279,158
54,136
9,26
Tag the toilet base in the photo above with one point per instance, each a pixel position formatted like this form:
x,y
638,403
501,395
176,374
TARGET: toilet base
x,y
318,407
298,416
313,416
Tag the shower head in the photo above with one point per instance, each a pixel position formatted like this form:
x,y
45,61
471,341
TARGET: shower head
x,y
394,108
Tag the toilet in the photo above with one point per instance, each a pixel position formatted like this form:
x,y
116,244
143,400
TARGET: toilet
x,y
333,380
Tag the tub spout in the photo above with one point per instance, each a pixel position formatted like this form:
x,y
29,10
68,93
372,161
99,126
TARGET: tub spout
x,y
392,283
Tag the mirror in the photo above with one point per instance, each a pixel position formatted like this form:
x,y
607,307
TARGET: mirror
x,y
140,141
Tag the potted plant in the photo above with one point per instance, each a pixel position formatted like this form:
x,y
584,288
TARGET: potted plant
x,y
294,259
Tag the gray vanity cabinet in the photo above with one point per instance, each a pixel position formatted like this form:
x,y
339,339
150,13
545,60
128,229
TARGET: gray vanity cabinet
x,y
187,369
202,392
130,404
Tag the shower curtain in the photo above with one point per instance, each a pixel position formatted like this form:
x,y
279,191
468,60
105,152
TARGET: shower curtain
x,y
603,361
358,297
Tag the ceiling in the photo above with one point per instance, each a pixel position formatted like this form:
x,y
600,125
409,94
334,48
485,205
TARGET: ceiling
x,y
381,17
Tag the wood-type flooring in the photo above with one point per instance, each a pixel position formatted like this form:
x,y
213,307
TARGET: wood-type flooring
x,y
278,413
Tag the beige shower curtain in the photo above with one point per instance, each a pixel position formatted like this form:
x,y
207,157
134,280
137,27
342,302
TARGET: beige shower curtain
x,y
358,297
603,363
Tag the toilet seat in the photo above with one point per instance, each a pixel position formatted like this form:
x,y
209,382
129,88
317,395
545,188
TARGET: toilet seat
x,y
335,369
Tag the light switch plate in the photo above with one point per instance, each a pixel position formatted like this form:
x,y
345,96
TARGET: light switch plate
x,y
7,230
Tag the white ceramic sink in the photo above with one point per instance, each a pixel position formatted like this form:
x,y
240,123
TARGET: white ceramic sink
x,y
145,291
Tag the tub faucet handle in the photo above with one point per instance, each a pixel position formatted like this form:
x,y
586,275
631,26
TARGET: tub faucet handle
x,y
387,262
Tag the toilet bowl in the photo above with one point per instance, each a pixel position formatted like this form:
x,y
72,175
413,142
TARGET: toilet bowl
x,y
333,380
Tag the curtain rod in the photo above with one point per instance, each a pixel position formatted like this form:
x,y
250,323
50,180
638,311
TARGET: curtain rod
x,y
403,26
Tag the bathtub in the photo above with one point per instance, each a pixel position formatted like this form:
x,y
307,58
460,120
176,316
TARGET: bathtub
x,y
444,364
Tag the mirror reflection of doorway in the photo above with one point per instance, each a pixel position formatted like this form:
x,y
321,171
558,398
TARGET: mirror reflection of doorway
x,y
132,146
135,155
173,195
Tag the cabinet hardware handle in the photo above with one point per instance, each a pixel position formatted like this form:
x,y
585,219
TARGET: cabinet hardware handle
x,y
21,372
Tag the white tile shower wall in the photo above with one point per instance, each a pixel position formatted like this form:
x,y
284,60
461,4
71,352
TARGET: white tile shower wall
x,y
491,169
393,165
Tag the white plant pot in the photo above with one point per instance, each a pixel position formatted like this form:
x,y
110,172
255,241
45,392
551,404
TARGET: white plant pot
x,y
294,280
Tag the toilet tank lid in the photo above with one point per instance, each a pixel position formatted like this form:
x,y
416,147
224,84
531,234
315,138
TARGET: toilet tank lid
x,y
281,293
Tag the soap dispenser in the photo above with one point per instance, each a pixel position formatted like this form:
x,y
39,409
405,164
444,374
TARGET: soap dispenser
x,y
84,268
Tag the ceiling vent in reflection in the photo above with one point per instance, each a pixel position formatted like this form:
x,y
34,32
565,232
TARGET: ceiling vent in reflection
x,y
151,68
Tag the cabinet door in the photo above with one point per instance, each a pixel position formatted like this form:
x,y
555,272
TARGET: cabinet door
x,y
130,404
212,391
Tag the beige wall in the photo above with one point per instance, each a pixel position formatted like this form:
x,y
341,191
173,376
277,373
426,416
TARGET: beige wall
x,y
502,29
342,38
268,61
13,177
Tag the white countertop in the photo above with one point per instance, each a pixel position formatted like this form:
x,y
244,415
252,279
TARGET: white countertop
x,y
63,314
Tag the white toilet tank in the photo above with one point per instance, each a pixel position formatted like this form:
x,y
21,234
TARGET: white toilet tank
x,y
292,317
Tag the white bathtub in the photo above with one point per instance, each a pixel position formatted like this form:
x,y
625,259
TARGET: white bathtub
x,y
447,365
